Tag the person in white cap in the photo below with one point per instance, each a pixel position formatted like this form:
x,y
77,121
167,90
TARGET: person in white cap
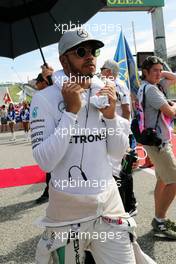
x,y
71,139
110,71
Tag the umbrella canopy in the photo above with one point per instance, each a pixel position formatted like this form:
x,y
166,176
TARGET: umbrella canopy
x,y
26,25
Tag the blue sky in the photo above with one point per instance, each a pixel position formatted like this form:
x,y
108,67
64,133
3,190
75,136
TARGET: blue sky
x,y
28,65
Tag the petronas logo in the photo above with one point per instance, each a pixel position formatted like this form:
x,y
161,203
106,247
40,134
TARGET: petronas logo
x,y
34,112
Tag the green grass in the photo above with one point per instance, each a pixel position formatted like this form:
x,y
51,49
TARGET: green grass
x,y
13,90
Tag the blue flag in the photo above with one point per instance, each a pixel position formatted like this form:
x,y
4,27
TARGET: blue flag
x,y
132,70
127,68
120,57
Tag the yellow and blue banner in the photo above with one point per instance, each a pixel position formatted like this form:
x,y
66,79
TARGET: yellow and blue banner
x,y
128,71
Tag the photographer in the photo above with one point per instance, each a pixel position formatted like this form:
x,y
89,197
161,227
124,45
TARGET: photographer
x,y
158,114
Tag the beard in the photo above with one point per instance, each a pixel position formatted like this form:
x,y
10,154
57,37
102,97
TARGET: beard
x,y
73,70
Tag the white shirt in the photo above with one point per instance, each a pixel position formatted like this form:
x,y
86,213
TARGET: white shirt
x,y
123,95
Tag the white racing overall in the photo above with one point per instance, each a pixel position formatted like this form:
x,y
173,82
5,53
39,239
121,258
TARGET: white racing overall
x,y
85,210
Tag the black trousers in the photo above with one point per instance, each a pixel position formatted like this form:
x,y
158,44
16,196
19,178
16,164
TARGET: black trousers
x,y
126,191
89,259
48,177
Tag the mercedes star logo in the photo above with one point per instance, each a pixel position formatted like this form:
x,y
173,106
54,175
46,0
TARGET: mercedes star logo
x,y
82,33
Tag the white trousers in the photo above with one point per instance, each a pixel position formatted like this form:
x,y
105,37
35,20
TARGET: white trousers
x,y
108,242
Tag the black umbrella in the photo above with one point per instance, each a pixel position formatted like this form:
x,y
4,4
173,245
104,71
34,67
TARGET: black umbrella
x,y
26,25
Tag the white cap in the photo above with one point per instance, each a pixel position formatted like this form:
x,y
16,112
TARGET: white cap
x,y
72,38
112,65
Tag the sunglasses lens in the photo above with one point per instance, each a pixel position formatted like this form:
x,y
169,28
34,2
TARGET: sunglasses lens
x,y
95,52
81,52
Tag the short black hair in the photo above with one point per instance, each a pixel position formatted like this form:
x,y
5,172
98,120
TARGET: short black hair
x,y
40,78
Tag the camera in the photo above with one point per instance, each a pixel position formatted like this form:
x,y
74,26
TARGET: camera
x,y
149,137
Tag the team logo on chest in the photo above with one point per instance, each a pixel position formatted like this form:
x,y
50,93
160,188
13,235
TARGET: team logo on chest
x,y
34,112
61,106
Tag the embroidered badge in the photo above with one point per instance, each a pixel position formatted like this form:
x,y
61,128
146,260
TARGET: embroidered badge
x,y
61,106
34,112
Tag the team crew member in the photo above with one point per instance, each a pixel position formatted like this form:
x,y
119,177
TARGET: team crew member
x,y
83,197
41,83
110,70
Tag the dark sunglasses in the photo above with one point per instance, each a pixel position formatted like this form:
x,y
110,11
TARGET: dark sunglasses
x,y
82,52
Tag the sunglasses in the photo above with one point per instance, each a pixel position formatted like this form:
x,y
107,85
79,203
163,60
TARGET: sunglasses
x,y
81,52
154,59
103,69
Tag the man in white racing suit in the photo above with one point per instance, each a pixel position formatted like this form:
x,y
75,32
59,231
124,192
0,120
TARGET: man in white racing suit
x,y
72,139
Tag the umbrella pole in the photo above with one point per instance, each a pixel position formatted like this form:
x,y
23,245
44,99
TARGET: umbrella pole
x,y
37,40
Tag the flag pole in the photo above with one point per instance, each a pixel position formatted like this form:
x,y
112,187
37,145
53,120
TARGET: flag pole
x,y
124,45
134,38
